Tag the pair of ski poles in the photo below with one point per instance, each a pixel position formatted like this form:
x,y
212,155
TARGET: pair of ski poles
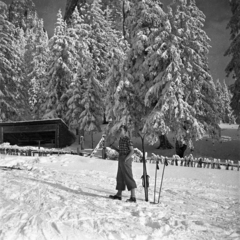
x,y
165,163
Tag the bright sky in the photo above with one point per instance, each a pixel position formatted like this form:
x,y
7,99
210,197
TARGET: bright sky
x,y
217,17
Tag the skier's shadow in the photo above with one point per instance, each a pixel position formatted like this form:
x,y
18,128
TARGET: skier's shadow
x,y
61,187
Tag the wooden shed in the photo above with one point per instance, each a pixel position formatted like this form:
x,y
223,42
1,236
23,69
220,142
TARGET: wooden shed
x,y
45,133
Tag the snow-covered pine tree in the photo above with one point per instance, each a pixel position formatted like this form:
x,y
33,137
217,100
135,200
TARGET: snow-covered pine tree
x,y
79,31
129,108
220,102
228,112
115,108
102,37
24,66
38,73
11,97
224,102
90,119
234,67
75,107
185,93
85,104
116,7
62,65
22,13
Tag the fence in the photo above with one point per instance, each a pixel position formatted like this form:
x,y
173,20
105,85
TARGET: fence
x,y
190,161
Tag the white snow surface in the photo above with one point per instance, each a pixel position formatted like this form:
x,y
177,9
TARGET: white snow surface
x,y
66,197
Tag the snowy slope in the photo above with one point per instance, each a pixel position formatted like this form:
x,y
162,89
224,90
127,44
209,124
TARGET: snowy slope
x,y
66,197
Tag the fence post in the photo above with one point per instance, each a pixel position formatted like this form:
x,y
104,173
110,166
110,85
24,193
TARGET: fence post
x,y
219,166
103,146
181,162
232,162
81,143
226,161
176,161
238,165
212,163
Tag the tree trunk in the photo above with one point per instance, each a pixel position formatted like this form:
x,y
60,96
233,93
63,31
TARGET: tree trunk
x,y
92,138
145,176
164,143
180,148
123,21
104,118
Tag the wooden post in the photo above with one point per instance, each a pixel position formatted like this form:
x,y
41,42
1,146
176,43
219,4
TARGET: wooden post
x,y
204,163
1,135
92,139
226,161
103,146
57,137
162,159
192,161
232,162
181,162
219,166
208,162
176,161
212,163
195,162
200,162
82,143
78,135
185,161
238,165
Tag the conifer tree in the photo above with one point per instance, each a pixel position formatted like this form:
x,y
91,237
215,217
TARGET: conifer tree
x,y
90,118
102,37
85,94
228,112
134,78
234,67
185,92
114,107
224,102
62,65
22,14
37,74
220,103
11,97
79,31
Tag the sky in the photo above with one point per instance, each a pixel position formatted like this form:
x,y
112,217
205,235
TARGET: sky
x,y
217,17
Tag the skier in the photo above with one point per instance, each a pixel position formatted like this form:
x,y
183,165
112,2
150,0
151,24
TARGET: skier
x,y
124,173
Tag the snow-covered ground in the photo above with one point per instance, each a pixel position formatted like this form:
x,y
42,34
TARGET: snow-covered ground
x,y
66,197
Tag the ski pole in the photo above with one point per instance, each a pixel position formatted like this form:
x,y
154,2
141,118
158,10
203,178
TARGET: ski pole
x,y
165,163
157,167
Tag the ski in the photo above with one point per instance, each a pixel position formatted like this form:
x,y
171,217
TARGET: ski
x,y
145,179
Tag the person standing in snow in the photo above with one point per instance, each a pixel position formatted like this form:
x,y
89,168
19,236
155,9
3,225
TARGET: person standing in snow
x,y
124,173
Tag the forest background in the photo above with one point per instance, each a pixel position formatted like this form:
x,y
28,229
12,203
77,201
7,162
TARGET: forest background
x,y
99,47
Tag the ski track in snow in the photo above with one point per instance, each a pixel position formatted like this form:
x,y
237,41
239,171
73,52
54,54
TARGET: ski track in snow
x,y
56,204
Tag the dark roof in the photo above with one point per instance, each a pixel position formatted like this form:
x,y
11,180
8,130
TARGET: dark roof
x,y
34,122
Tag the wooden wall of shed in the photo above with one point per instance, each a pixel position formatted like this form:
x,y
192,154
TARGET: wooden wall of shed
x,y
66,137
